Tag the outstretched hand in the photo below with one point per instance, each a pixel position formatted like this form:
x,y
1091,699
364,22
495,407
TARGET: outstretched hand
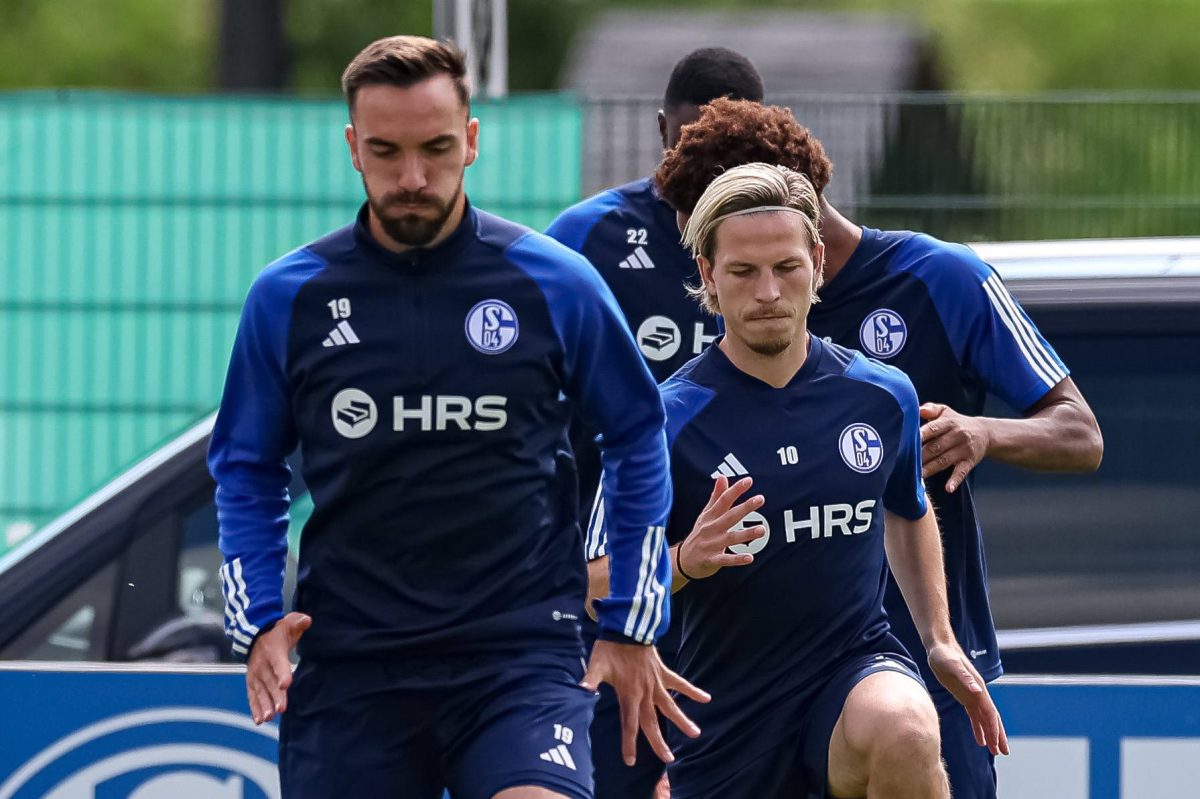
x,y
643,685
704,552
959,676
269,671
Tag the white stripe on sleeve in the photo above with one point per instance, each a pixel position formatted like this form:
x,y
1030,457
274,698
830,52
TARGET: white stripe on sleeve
x,y
644,574
1006,315
596,545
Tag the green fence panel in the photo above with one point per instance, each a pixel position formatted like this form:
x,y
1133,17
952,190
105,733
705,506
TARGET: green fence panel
x,y
130,229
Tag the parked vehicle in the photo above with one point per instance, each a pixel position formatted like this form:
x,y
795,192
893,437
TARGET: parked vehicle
x,y
1091,573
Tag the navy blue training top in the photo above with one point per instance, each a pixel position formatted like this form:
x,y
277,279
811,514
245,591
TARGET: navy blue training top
x,y
943,317
629,235
429,393
829,451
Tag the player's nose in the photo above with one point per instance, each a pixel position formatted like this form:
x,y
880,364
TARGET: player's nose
x,y
767,288
412,175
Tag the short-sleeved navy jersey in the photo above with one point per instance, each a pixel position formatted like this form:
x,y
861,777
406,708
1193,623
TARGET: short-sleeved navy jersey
x,y
429,393
943,317
829,452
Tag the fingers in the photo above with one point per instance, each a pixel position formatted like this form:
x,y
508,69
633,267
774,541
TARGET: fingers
x,y
746,535
719,487
673,682
933,462
733,516
266,697
259,699
629,731
1003,739
281,673
730,559
961,470
997,739
931,410
977,726
648,722
729,496
591,679
296,623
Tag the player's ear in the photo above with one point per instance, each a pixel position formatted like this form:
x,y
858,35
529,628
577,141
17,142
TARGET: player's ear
x,y
352,140
472,141
662,128
818,259
706,272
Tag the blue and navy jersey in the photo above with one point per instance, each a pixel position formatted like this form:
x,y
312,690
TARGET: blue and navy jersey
x,y
943,317
429,393
830,451
629,234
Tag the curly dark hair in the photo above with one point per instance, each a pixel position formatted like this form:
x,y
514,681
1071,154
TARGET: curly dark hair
x,y
730,133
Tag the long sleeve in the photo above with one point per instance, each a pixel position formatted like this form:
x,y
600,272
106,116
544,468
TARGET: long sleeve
x,y
253,435
614,392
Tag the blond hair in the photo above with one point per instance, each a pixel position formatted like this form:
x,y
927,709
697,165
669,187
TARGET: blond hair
x,y
748,189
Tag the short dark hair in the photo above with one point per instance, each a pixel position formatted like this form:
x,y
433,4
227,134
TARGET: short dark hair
x,y
731,133
703,75
404,61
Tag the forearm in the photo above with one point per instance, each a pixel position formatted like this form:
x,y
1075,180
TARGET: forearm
x,y
1057,440
914,553
1058,434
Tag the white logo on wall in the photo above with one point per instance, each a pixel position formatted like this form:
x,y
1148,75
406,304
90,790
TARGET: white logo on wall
x,y
658,338
883,333
164,753
861,447
492,327
354,414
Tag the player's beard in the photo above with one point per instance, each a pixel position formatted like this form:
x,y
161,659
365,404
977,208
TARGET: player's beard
x,y
412,230
769,348
773,343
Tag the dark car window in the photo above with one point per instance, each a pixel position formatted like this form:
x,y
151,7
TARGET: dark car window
x,y
200,558
74,629
1121,545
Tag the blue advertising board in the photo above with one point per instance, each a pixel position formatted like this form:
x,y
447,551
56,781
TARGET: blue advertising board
x,y
113,732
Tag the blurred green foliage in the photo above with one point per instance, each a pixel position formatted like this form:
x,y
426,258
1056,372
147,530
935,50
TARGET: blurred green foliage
x,y
126,44
992,45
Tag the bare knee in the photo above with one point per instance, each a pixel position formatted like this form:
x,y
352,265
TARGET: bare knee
x,y
887,741
905,730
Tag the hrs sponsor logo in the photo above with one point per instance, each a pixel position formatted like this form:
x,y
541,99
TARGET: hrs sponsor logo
x,y
354,413
659,338
817,522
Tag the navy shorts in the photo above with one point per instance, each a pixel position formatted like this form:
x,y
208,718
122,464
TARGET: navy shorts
x,y
614,779
971,767
795,768
360,728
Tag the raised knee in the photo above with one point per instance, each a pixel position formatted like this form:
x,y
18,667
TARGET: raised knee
x,y
907,731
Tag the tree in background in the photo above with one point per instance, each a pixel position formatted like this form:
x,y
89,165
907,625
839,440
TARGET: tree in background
x,y
995,45
122,44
